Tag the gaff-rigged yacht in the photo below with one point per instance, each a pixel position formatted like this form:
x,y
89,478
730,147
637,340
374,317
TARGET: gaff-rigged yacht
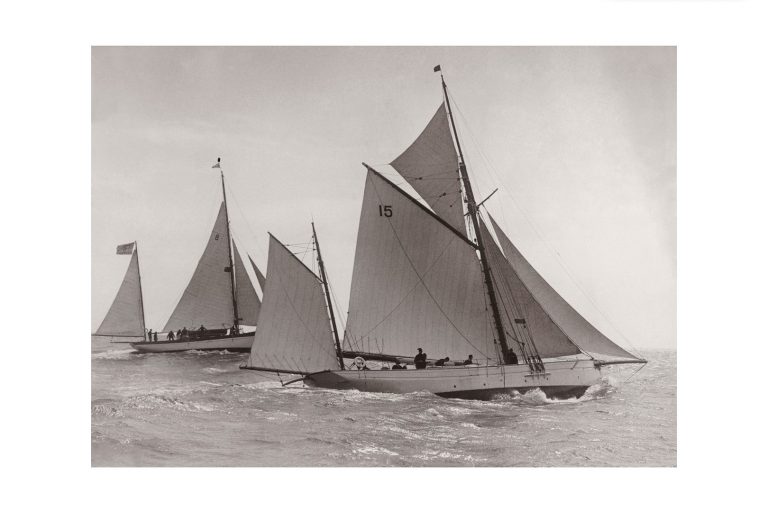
x,y
434,278
219,297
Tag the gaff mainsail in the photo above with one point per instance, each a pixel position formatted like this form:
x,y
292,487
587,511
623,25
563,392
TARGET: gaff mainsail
x,y
416,282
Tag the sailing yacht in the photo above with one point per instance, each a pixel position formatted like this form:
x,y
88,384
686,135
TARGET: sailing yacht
x,y
125,317
216,306
435,278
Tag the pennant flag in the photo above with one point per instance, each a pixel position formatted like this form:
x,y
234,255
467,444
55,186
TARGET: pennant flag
x,y
217,165
437,68
126,248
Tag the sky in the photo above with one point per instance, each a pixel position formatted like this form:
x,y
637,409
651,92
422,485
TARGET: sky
x,y
580,141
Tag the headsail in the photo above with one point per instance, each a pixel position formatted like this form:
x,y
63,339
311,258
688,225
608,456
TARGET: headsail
x,y
207,300
259,276
126,315
416,282
521,312
248,303
576,327
294,330
430,165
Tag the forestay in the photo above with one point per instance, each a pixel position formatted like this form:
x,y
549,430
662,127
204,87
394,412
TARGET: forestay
x,y
416,282
518,304
430,165
248,303
294,330
207,299
125,317
576,327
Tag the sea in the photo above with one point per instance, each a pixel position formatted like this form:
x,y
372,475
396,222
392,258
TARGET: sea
x,y
199,409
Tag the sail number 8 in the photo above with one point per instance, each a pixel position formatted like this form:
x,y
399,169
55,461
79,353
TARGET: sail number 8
x,y
385,210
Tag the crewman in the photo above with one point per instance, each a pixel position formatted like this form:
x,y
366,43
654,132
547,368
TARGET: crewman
x,y
469,360
420,360
441,362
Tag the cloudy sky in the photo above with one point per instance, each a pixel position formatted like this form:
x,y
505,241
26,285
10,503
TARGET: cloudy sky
x,y
581,143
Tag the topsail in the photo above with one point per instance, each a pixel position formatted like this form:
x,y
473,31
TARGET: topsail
x,y
430,165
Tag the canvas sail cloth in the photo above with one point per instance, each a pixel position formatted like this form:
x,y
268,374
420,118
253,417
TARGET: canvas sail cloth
x,y
294,330
416,282
517,303
430,165
572,324
259,276
126,316
207,300
248,303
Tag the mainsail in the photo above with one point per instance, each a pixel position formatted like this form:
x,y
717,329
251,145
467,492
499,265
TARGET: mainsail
x,y
248,303
416,282
430,165
207,300
521,312
572,324
126,315
294,332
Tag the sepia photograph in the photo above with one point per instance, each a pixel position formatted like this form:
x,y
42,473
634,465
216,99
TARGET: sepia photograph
x,y
383,256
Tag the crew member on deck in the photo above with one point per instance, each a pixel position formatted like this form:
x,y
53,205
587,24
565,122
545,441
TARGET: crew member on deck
x,y
149,335
397,366
154,336
420,360
171,337
469,360
202,328
512,358
441,362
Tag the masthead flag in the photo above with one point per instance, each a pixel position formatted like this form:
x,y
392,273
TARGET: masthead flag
x,y
437,68
125,248
217,165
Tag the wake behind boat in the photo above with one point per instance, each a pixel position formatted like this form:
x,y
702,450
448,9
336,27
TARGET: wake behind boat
x,y
214,311
434,278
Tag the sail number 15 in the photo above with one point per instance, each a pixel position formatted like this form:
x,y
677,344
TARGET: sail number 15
x,y
385,210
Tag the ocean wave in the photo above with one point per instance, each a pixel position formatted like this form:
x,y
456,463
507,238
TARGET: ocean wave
x,y
126,353
153,401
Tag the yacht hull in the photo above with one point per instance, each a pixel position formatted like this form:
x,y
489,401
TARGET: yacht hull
x,y
561,379
241,343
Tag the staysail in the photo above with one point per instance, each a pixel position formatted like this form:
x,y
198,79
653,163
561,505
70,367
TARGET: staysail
x,y
572,324
126,315
248,303
259,276
207,300
294,332
521,312
416,282
430,165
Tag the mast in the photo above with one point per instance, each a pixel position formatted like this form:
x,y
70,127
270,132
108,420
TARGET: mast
x,y
236,320
327,290
473,214
141,294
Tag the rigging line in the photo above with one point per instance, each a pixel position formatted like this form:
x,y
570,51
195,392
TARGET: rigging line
x,y
245,219
636,372
535,229
426,288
